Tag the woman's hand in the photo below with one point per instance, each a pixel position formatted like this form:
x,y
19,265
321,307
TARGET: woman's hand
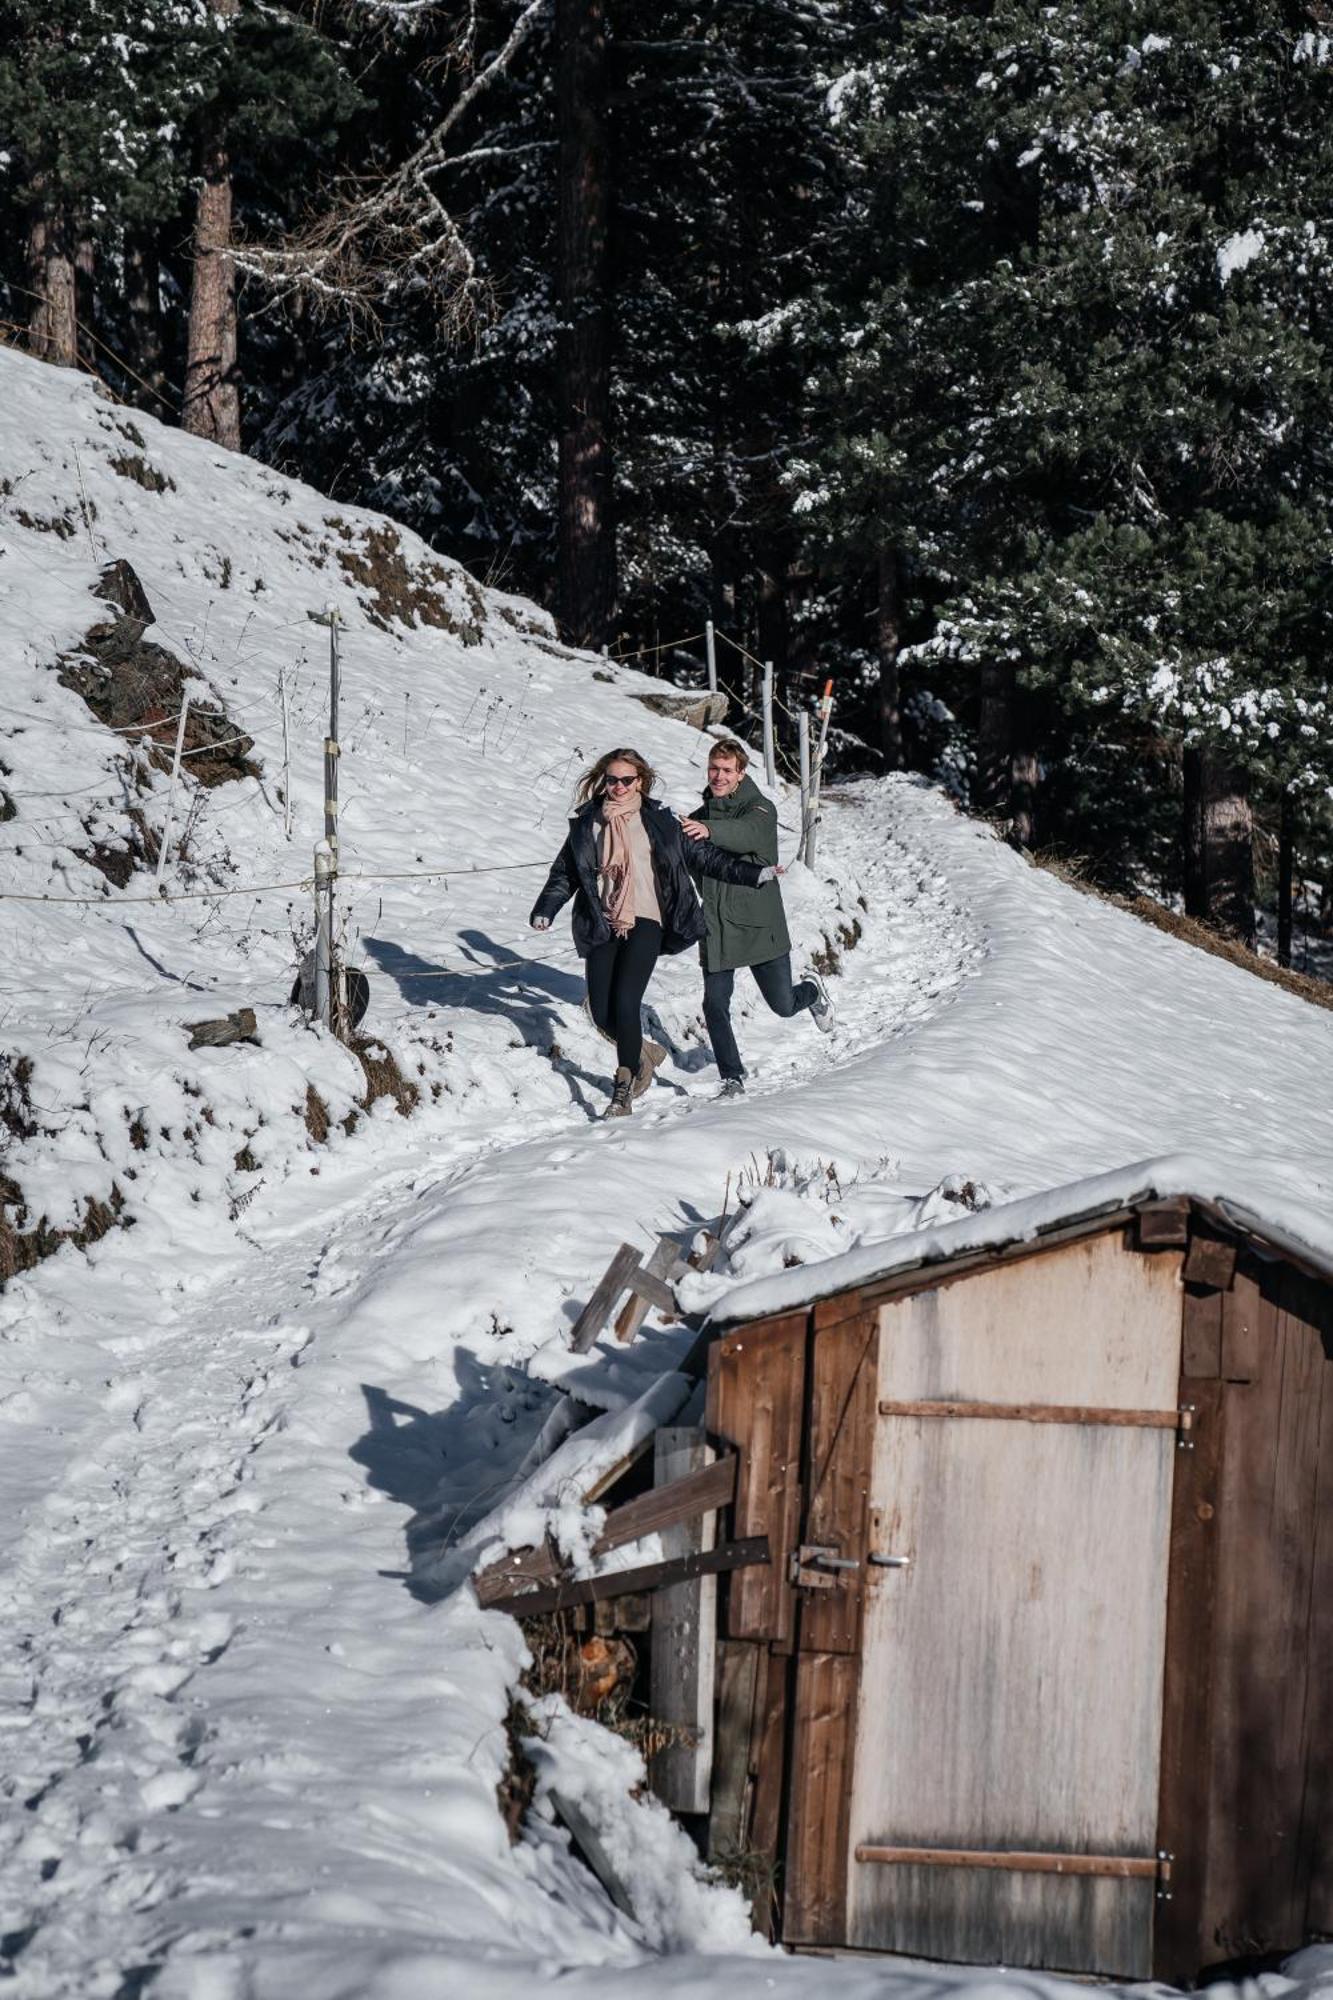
x,y
540,923
769,873
694,829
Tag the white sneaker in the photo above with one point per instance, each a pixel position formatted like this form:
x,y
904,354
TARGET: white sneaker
x,y
822,1012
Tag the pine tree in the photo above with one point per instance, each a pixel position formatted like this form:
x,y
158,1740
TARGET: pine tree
x,y
1085,386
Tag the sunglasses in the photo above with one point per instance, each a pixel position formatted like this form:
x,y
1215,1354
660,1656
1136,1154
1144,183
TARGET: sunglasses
x,y
612,779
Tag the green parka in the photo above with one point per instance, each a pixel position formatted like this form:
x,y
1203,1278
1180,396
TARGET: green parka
x,y
745,926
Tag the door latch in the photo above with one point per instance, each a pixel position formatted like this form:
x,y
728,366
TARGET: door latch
x,y
816,1566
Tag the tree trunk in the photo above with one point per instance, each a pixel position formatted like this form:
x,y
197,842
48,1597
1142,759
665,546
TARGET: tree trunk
x,y
586,559
53,328
143,301
889,636
995,736
1286,873
212,402
1219,845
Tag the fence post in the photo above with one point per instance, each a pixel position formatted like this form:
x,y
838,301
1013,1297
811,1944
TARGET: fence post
x,y
817,775
286,753
770,764
331,749
324,933
803,744
171,795
711,650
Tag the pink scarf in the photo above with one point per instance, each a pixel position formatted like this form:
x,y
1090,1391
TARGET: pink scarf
x,y
617,862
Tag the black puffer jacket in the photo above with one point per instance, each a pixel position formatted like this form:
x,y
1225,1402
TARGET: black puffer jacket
x,y
575,869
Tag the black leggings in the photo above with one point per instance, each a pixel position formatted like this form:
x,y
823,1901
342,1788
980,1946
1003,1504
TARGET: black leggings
x,y
618,975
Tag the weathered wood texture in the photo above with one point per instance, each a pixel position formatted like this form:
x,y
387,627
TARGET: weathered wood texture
x,y
748,1766
621,1582
665,1262
1037,1413
598,1309
1035,1601
815,1893
756,1386
709,1486
1267,1865
684,1642
844,1384
1187,1696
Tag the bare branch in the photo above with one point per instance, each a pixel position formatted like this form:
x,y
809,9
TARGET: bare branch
x,y
379,238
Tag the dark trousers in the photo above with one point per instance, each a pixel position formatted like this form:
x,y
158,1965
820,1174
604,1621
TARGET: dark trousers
x,y
773,978
618,974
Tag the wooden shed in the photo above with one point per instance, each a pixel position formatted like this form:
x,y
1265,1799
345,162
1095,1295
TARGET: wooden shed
x,y
1040,1669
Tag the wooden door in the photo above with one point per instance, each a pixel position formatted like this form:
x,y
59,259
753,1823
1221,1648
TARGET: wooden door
x,y
1001,1774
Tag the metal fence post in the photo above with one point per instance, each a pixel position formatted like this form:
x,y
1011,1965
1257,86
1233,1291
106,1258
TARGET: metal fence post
x,y
171,795
770,762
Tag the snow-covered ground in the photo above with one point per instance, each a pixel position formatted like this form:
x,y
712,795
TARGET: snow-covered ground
x,y
241,1758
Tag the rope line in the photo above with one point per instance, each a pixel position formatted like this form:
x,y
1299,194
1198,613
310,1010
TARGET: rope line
x,y
667,646
266,888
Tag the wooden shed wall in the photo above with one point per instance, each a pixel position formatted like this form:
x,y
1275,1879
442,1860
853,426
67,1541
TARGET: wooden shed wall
x,y
1246,1774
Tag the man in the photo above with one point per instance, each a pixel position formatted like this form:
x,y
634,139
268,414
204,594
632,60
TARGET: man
x,y
745,926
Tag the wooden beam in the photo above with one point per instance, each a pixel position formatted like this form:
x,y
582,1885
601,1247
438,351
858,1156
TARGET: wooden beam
x,y
1122,1867
1038,1413
699,1492
584,1836
597,1311
665,1262
1209,1261
649,1576
1163,1225
684,1642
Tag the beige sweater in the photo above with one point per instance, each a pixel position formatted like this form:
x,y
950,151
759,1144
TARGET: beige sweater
x,y
645,882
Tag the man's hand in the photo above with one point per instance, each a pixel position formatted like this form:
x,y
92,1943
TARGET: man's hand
x,y
694,829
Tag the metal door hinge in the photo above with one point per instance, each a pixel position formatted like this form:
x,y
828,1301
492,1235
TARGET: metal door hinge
x,y
1185,1426
1164,1860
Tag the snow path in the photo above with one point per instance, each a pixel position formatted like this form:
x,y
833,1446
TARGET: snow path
x,y
206,1494
231,1720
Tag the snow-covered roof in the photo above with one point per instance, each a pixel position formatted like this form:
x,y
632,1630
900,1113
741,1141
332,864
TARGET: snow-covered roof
x,y
1305,1235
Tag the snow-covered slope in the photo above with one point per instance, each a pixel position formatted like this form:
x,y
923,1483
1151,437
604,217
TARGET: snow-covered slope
x,y
241,1757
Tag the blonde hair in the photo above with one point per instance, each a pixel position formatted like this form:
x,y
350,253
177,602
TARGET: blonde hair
x,y
591,781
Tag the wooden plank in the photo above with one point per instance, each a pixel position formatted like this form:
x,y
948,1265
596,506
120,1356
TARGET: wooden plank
x,y
1201,1335
1036,1413
756,1388
931,1277
1161,1225
646,1285
665,1261
1256,1882
1210,1261
709,1487
1242,1309
606,1481
1119,1867
684,1642
815,1894
844,1386
742,1664
595,1314
648,1576
585,1838
768,1749
1187,1694
1317,1817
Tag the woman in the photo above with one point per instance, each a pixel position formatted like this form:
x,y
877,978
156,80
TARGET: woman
x,y
627,866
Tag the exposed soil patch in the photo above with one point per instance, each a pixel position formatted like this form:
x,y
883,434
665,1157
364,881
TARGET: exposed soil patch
x,y
130,465
129,682
376,563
